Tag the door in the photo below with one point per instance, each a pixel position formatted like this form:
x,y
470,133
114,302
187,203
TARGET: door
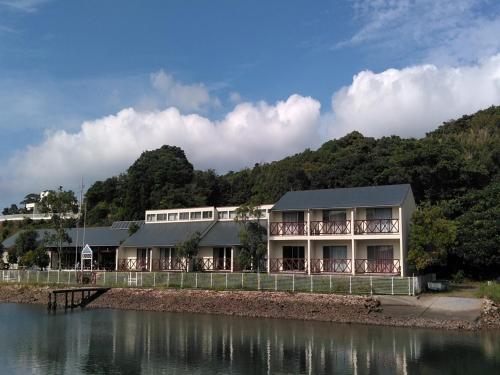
x,y
379,220
293,258
334,221
293,222
380,259
222,258
142,259
334,258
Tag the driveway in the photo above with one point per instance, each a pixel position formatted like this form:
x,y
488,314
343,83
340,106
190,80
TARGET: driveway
x,y
432,307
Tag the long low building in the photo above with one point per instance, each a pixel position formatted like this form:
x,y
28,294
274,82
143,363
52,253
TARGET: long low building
x,y
351,231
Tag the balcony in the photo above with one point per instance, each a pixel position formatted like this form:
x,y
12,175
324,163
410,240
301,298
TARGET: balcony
x,y
391,266
282,228
331,265
211,264
133,264
376,226
288,265
319,228
169,264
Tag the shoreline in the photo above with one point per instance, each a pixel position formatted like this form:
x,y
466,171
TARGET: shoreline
x,y
255,304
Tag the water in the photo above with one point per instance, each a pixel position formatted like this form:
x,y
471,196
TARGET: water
x,y
129,342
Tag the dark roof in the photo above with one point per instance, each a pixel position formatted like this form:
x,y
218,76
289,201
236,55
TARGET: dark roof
x,y
223,233
369,196
166,234
94,236
126,224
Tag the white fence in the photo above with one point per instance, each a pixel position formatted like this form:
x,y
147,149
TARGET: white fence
x,y
364,285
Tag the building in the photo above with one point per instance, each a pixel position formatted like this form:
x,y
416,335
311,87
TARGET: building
x,y
358,231
154,246
104,242
347,231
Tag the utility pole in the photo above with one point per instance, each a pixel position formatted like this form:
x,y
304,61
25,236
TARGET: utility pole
x,y
78,223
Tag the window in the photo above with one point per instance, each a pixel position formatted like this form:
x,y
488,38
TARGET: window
x,y
195,215
334,215
295,252
162,217
293,217
223,215
207,214
151,217
380,252
334,252
232,214
172,217
184,216
378,213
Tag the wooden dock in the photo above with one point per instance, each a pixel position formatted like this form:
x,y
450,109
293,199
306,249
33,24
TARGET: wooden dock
x,y
74,297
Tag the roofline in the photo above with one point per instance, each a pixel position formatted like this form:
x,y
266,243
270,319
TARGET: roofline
x,y
336,207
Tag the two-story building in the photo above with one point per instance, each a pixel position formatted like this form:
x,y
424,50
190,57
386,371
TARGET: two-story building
x,y
358,231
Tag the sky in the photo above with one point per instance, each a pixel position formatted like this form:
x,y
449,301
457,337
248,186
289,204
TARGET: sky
x,y
87,85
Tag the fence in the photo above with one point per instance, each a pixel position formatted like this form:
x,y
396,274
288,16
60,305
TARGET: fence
x,y
364,285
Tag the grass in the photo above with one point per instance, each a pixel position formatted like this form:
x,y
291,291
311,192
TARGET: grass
x,y
492,291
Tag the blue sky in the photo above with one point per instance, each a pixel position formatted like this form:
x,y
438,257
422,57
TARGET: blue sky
x,y
213,76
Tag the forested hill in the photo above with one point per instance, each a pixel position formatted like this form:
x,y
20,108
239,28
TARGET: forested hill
x,y
454,173
459,157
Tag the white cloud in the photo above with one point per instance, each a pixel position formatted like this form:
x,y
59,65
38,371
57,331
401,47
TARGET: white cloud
x,y
442,32
249,133
413,100
194,97
234,97
23,5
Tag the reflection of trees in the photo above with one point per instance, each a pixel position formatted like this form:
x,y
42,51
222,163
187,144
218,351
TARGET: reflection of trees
x,y
128,342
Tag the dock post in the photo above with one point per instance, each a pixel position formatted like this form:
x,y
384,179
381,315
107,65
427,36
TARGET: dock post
x,y
72,299
65,300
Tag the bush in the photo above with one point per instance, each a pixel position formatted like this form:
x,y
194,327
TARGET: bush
x,y
459,277
491,291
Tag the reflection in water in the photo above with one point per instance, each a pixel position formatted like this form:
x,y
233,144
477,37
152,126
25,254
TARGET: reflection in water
x,y
127,342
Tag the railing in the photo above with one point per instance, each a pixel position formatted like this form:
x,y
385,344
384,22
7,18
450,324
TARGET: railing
x,y
376,226
133,264
212,264
331,265
288,264
169,264
282,228
377,266
330,227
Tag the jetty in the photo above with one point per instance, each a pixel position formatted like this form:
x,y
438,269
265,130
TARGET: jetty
x,y
74,297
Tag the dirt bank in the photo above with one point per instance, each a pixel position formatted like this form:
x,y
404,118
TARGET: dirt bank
x,y
321,307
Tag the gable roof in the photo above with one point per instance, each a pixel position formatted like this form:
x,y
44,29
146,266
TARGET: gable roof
x,y
94,236
223,233
166,234
368,196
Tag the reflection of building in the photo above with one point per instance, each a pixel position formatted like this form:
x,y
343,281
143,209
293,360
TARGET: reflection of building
x,y
350,231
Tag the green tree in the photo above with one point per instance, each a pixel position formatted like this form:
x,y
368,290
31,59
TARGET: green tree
x,y
431,238
61,205
252,236
26,241
133,228
189,247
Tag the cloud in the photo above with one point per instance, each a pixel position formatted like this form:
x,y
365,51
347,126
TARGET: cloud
x,y
411,101
194,97
441,32
249,133
23,5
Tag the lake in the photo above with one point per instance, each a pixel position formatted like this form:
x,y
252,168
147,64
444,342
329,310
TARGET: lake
x,y
129,342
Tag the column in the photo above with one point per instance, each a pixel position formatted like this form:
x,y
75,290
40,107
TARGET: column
x,y
232,259
268,244
116,258
402,243
308,242
353,244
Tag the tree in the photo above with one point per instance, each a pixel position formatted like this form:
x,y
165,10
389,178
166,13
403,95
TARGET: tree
x,y
60,205
189,247
12,210
26,241
252,237
431,238
133,228
30,198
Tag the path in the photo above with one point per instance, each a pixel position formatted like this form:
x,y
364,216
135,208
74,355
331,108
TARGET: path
x,y
432,307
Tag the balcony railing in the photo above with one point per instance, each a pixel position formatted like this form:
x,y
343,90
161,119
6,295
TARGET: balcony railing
x,y
376,226
319,228
170,264
282,228
133,264
331,265
288,264
377,266
211,264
